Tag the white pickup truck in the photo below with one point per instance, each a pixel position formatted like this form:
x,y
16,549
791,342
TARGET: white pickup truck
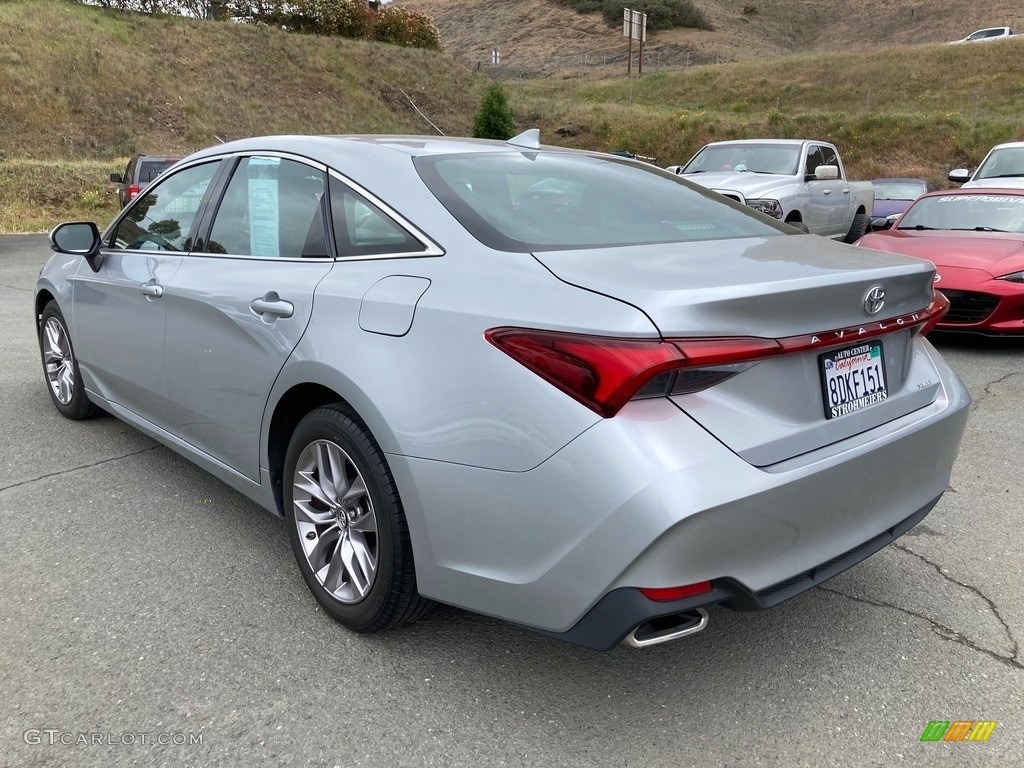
x,y
797,181
986,35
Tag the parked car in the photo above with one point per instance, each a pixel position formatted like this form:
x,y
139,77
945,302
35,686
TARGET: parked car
x,y
594,425
140,172
893,197
974,238
986,35
1003,166
802,183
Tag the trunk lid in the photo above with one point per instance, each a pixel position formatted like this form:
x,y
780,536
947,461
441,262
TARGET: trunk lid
x,y
776,287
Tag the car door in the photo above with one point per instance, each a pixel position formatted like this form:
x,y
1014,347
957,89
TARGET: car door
x,y
119,310
236,310
823,195
841,204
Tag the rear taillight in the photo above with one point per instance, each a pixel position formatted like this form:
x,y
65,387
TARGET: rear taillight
x,y
604,373
133,190
936,310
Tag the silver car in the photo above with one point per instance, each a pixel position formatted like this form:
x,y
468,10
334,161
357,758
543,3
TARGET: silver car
x,y
593,412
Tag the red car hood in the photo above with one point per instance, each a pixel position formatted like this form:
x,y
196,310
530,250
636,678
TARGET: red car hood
x,y
997,253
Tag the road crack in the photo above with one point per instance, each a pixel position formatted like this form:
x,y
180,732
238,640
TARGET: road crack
x,y
970,588
76,469
940,629
987,392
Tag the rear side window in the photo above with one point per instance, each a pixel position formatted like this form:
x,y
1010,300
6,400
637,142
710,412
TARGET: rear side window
x,y
162,219
363,229
537,201
272,208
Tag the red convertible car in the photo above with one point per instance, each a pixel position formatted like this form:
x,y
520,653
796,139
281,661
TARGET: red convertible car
x,y
975,238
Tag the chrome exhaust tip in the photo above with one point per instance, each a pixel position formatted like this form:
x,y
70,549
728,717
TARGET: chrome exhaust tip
x,y
665,628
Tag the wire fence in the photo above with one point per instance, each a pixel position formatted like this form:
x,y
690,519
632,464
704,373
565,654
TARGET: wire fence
x,y
602,61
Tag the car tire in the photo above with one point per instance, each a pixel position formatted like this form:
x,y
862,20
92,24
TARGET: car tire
x,y
60,366
858,228
346,523
797,224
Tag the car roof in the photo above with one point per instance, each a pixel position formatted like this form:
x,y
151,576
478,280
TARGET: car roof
x,y
1008,145
902,180
327,147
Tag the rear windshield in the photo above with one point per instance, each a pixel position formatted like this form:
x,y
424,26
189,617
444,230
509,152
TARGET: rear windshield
x,y
150,169
544,201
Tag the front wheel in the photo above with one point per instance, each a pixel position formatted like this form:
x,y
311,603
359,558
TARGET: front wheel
x,y
60,366
346,523
858,228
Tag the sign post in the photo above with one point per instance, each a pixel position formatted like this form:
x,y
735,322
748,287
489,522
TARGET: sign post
x,y
634,27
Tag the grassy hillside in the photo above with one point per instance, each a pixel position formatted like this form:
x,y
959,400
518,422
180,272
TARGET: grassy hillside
x,y
540,38
84,88
82,84
948,105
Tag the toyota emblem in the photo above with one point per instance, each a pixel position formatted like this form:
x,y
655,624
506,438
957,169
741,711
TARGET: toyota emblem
x,y
874,299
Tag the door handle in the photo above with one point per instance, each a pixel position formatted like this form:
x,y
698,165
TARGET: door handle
x,y
272,304
151,289
846,191
827,192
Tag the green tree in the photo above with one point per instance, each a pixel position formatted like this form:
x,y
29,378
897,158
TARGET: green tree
x,y
494,118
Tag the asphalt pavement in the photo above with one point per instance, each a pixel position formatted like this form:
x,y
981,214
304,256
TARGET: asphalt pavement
x,y
150,616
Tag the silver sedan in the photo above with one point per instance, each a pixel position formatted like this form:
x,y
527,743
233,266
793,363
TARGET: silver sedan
x,y
562,388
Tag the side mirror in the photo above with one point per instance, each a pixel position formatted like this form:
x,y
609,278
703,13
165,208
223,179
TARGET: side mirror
x,y
826,172
78,238
116,178
959,175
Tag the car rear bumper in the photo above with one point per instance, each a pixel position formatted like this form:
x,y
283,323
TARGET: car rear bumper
x,y
619,612
650,499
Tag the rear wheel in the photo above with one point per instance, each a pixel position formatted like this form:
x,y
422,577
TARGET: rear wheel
x,y
346,523
60,366
858,228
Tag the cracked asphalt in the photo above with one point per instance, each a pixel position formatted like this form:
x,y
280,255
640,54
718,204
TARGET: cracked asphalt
x,y
141,600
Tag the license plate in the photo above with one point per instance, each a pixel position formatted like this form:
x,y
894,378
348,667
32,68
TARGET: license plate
x,y
853,378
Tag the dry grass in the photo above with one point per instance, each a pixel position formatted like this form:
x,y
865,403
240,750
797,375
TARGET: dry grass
x,y
949,105
84,88
79,82
36,194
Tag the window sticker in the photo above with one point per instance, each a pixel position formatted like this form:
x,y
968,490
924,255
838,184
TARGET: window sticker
x,y
264,207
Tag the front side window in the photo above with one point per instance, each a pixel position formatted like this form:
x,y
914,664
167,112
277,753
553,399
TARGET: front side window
x,y
828,156
814,159
272,208
163,219
544,201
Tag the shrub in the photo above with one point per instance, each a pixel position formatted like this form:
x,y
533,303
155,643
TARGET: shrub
x,y
494,118
400,26
661,14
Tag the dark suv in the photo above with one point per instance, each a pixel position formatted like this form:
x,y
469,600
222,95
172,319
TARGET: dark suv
x,y
141,170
